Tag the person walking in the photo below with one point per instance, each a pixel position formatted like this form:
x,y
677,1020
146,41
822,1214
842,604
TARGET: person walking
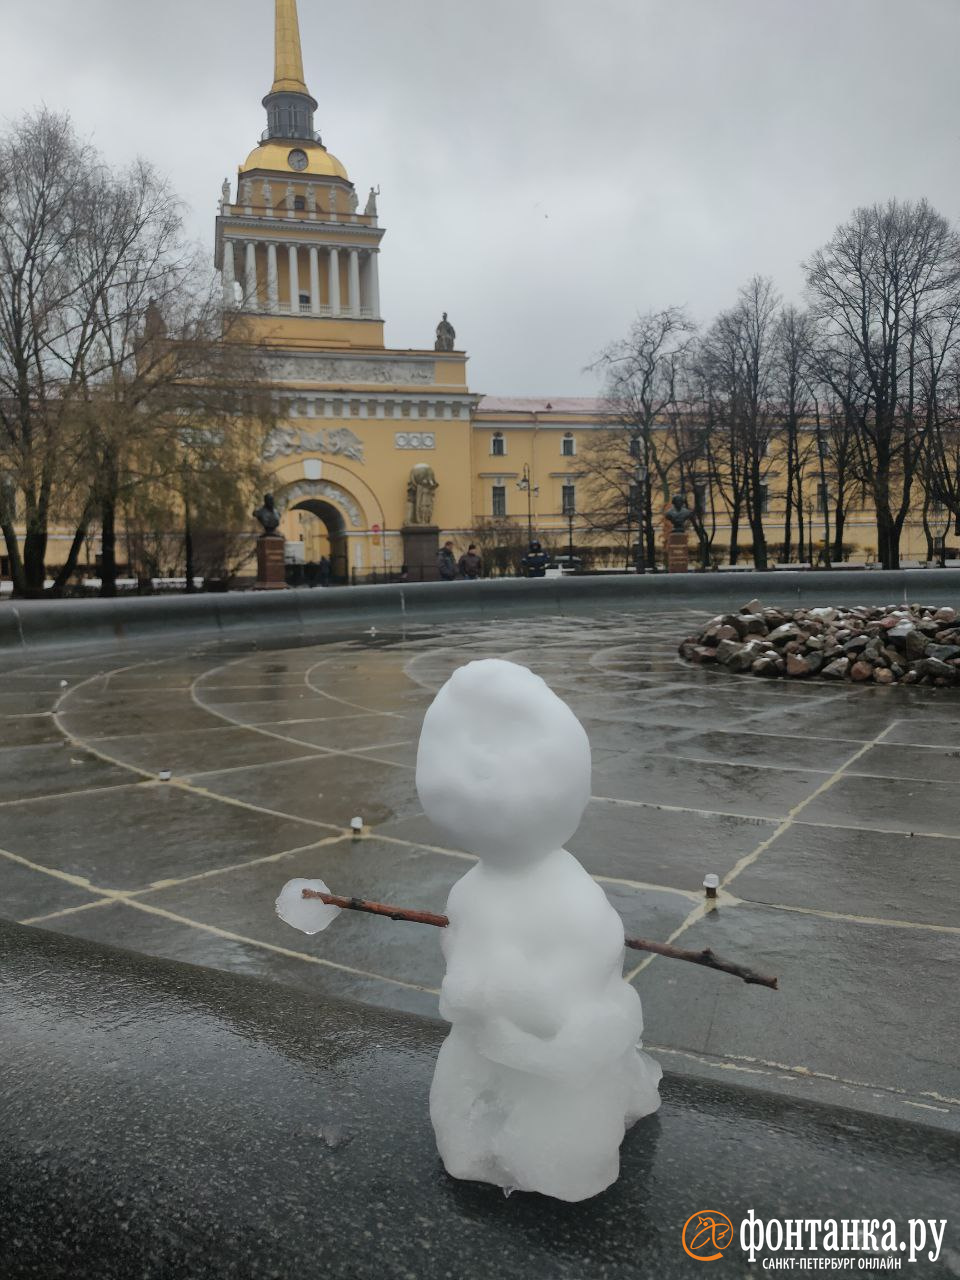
x,y
446,564
471,566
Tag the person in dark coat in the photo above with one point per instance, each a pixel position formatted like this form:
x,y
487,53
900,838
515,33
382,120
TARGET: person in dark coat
x,y
535,562
446,564
471,566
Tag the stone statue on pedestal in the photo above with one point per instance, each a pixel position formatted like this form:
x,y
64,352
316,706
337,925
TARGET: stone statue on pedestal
x,y
269,516
421,492
371,209
446,335
225,194
678,514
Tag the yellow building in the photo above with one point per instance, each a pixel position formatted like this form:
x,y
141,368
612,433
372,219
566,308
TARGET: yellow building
x,y
298,252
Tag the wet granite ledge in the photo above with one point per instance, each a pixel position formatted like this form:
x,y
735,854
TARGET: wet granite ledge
x,y
163,1121
28,625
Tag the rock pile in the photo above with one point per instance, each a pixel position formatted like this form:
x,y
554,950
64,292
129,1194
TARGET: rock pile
x,y
905,644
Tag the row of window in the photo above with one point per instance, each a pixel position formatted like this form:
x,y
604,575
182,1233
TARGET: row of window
x,y
498,445
568,500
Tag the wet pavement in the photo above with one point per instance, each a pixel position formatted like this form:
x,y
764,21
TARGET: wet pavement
x,y
830,813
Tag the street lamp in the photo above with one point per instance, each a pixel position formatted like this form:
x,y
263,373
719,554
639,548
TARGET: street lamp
x,y
524,485
642,473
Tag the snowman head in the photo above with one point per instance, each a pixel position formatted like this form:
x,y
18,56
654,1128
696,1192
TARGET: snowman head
x,y
503,767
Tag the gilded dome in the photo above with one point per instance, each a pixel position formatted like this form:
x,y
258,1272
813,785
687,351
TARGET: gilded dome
x,y
275,157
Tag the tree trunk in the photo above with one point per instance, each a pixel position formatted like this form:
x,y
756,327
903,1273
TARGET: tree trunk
x,y
839,521
34,559
788,513
188,547
759,539
735,534
888,542
65,572
108,547
16,563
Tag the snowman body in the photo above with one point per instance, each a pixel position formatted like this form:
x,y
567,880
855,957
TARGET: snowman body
x,y
542,1071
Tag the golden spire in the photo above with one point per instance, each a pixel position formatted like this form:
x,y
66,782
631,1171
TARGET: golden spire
x,y
288,75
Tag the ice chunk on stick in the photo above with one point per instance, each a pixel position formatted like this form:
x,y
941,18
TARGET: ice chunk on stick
x,y
309,915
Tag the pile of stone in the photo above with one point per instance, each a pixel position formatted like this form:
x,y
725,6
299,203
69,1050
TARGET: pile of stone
x,y
904,644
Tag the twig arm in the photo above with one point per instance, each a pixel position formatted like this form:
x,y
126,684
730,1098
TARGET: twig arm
x,y
705,957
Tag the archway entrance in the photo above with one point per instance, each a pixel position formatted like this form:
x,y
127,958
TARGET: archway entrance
x,y
324,535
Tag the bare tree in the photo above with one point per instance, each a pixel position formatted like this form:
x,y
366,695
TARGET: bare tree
x,y
736,361
793,375
48,331
627,464
887,277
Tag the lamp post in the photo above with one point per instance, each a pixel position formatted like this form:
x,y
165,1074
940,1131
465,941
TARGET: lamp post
x,y
642,474
570,515
524,485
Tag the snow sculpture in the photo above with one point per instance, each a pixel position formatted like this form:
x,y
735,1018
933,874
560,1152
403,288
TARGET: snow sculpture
x,y
542,1071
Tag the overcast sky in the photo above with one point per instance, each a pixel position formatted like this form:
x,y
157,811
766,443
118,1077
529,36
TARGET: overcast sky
x,y
548,167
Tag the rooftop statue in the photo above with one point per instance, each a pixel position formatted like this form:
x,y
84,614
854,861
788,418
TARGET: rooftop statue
x,y
446,335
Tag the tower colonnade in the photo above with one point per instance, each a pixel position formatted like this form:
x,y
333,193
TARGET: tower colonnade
x,y
321,279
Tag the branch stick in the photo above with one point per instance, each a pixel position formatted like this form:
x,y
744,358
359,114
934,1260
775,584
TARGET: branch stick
x,y
705,957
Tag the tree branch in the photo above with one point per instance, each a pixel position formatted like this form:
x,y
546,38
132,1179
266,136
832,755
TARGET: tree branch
x,y
705,957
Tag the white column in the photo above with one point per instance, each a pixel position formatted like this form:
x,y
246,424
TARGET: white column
x,y
250,277
314,280
273,287
354,283
228,275
373,283
334,267
294,263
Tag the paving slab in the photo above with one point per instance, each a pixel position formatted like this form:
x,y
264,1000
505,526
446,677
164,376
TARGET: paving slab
x,y
331,789
127,839
663,846
876,1004
858,872
48,769
185,753
723,788
26,893
923,808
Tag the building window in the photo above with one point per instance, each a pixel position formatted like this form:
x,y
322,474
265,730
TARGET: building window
x,y
569,495
699,497
823,497
304,299
299,203
568,446
499,500
764,499
498,446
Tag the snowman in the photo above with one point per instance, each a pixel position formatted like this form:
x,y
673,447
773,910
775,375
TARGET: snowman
x,y
542,1071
